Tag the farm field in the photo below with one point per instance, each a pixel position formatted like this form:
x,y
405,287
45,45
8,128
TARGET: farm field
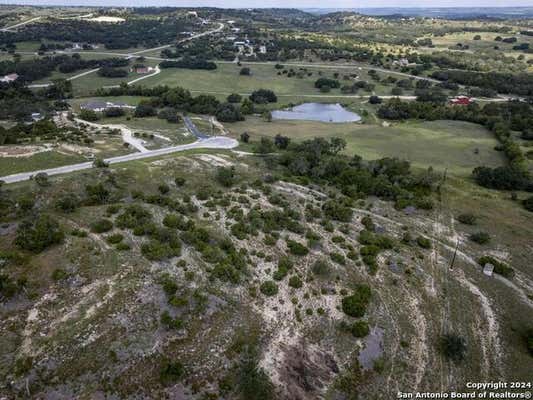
x,y
441,144
226,80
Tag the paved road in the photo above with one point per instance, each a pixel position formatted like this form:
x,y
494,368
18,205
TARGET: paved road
x,y
8,28
128,55
216,142
43,85
127,134
166,46
191,127
157,71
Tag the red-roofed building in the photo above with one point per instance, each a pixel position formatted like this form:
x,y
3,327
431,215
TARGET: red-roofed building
x,y
141,69
461,100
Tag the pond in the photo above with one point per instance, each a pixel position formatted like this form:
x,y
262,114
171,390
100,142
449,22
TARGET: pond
x,y
334,113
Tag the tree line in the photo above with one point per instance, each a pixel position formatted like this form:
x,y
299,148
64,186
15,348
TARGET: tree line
x,y
520,84
131,33
499,118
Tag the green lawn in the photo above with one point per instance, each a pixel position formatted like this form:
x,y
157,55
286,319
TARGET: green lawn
x,y
49,159
440,144
226,79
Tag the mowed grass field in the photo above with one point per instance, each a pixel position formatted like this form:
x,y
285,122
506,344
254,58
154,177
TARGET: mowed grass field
x,y
485,44
226,79
45,160
440,144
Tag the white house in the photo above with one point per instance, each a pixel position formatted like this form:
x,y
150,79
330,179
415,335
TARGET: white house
x,y
9,78
99,106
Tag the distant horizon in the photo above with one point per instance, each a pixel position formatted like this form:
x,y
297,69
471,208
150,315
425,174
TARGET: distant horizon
x,y
280,4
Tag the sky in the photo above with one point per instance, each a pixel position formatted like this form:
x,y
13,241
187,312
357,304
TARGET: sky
x,y
281,3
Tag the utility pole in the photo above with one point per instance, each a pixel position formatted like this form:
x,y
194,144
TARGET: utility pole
x,y
454,254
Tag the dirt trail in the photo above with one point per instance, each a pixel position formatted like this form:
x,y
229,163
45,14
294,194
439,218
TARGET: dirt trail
x,y
492,344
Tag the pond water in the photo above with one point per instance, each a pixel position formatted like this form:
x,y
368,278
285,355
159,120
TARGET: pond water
x,y
334,113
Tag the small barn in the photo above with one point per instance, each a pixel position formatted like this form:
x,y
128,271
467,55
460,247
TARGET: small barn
x,y
488,269
461,100
9,78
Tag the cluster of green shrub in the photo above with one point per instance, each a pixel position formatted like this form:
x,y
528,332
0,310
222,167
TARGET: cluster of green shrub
x,y
10,286
499,267
355,305
189,63
44,130
266,221
373,244
326,84
358,329
320,160
285,265
38,233
480,237
453,347
269,288
177,98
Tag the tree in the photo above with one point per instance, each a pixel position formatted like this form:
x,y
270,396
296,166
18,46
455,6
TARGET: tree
x,y
453,347
144,109
247,107
39,233
281,142
375,100
528,203
245,71
88,115
100,163
245,137
355,305
234,98
529,340
171,372
97,194
360,329
226,176
265,146
480,237
396,91
67,202
114,112
227,112
269,288
327,83
267,116
253,381
41,179
170,114
263,96
109,72
467,219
